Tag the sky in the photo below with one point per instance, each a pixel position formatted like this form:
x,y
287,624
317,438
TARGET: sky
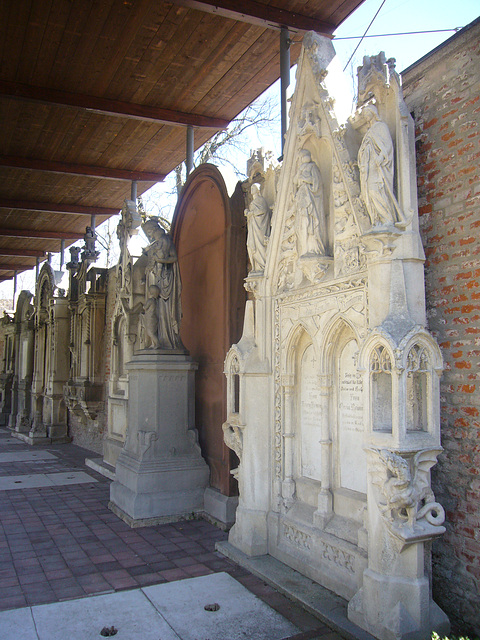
x,y
395,16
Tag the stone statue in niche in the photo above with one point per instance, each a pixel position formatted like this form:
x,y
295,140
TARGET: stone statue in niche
x,y
376,165
162,311
258,223
310,214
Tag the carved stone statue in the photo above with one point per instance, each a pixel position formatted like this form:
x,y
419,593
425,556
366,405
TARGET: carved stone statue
x,y
258,222
310,218
375,161
408,497
89,252
151,316
164,301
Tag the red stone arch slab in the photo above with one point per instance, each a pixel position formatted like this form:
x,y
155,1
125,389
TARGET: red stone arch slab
x,y
209,232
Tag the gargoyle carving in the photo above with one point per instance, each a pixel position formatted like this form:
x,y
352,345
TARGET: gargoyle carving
x,y
405,485
233,438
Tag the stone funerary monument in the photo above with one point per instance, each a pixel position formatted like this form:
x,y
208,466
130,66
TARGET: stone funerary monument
x,y
333,389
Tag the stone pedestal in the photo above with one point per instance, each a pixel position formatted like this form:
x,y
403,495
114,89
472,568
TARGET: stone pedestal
x,y
160,473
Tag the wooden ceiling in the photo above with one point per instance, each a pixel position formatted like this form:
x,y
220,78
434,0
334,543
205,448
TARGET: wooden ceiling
x,y
97,93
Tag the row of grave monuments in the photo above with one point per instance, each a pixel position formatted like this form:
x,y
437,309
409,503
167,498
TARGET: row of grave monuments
x,y
332,390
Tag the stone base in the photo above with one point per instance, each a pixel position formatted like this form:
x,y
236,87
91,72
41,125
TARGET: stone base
x,y
160,472
100,466
394,608
249,533
219,508
111,450
33,440
159,488
151,522
327,556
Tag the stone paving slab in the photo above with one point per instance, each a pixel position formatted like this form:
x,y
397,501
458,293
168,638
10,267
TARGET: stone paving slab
x,y
9,441
17,624
324,604
130,612
26,456
38,480
61,543
240,615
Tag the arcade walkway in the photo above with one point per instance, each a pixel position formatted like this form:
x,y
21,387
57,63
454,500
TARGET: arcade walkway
x,y
59,543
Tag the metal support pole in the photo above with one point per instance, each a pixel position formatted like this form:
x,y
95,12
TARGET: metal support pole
x,y
190,148
37,268
133,191
92,223
62,253
49,258
284,78
14,287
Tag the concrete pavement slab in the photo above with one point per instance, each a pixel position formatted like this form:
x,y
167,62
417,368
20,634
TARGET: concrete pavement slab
x,y
70,477
241,614
26,456
130,612
17,624
39,480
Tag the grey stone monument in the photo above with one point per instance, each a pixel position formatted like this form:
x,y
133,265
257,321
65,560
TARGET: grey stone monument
x,y
160,473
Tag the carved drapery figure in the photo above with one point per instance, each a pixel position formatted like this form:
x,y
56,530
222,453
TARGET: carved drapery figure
x,y
164,303
310,219
258,222
375,161
89,252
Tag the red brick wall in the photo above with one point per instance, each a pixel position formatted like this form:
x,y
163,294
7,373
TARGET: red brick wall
x,y
443,92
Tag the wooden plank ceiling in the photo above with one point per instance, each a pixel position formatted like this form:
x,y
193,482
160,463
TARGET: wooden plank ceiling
x,y
96,94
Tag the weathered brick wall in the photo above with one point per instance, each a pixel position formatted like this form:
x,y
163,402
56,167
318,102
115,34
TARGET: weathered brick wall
x,y
443,92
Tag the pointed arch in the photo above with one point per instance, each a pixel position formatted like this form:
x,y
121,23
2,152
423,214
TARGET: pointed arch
x,y
299,336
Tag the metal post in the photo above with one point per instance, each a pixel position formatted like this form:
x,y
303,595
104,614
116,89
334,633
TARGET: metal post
x,y
133,191
190,148
92,223
62,252
37,268
49,258
284,78
14,287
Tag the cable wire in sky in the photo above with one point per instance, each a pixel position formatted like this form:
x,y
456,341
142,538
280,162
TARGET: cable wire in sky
x,y
366,31
403,33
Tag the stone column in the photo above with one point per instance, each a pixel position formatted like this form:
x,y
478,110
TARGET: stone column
x,y
288,484
324,512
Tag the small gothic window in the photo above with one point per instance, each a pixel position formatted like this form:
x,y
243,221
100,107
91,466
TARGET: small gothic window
x,y
381,376
418,367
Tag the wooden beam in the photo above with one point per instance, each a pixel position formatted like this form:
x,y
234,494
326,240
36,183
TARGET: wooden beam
x,y
109,107
80,169
45,235
19,253
4,266
259,14
55,207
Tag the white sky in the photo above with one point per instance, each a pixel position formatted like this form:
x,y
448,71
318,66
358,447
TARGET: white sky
x,y
395,16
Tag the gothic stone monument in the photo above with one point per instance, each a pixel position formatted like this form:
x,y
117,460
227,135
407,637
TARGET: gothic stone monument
x,y
333,389
160,473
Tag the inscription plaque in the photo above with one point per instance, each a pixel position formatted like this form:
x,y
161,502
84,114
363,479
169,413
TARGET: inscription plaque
x,y
353,464
310,415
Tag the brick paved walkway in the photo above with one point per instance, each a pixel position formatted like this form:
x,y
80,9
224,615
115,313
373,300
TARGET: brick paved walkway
x,y
59,543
